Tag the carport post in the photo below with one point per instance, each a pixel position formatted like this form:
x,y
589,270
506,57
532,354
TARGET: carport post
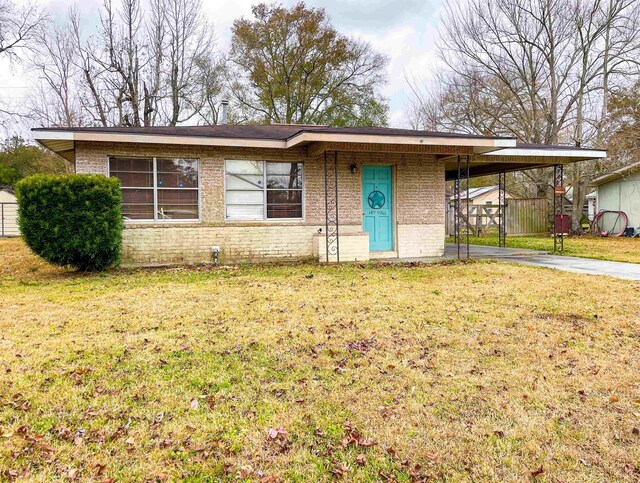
x,y
468,169
558,209
458,219
456,209
502,209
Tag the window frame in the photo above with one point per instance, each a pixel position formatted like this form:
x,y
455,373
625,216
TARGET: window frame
x,y
264,190
155,188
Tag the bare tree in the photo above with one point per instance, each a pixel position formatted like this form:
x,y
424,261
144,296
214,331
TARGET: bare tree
x,y
19,27
93,100
151,64
55,102
189,46
538,70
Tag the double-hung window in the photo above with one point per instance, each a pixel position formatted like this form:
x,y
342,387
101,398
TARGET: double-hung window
x,y
157,189
263,190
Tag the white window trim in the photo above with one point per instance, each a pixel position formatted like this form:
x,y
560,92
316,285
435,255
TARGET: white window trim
x,y
264,218
155,190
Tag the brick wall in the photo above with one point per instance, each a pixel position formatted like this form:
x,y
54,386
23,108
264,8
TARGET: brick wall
x,y
419,203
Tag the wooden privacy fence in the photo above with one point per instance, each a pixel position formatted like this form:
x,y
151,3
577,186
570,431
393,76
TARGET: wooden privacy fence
x,y
9,219
523,217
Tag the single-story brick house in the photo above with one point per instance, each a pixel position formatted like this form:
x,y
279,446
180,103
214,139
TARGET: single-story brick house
x,y
241,193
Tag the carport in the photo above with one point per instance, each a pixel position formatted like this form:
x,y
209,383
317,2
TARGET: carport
x,y
522,157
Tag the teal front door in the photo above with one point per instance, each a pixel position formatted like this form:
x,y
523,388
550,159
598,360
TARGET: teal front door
x,y
377,209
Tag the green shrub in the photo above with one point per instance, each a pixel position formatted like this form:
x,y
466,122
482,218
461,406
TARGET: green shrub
x,y
72,220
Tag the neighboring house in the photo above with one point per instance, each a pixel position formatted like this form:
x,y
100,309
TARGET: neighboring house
x,y
287,191
8,214
620,191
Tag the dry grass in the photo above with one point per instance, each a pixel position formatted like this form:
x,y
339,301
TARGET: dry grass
x,y
470,372
615,249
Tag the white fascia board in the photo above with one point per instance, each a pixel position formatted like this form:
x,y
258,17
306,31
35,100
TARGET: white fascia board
x,y
53,135
404,140
157,139
553,152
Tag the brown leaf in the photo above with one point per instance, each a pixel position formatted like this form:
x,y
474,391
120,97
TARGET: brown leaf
x,y
279,433
614,399
392,452
100,468
367,443
537,472
361,459
635,432
340,469
72,474
11,474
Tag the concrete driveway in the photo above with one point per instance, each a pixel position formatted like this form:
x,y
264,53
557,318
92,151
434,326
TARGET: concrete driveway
x,y
626,271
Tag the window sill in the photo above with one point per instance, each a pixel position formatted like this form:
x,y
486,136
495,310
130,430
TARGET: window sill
x,y
154,224
270,221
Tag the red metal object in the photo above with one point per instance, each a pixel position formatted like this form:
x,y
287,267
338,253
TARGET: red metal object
x,y
563,224
598,223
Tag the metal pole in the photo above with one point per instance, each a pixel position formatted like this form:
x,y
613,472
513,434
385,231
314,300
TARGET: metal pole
x,y
468,215
502,209
2,216
326,208
561,199
555,218
558,208
335,157
457,185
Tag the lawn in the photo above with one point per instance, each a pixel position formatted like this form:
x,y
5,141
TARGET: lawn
x,y
615,249
477,372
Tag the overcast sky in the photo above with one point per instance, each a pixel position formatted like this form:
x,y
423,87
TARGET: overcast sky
x,y
404,30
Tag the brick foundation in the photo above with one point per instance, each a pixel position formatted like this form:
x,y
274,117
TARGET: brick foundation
x,y
354,247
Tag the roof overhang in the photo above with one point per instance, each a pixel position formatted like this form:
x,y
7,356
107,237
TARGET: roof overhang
x,y
63,142
522,157
616,174
488,154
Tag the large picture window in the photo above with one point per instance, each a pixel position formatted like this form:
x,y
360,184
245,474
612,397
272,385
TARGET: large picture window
x,y
157,189
260,190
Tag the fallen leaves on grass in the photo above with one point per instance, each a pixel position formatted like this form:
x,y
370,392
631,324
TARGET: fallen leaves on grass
x,y
440,381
